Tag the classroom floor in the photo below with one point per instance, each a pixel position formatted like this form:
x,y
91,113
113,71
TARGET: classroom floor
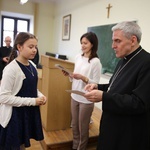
x,y
63,139
37,146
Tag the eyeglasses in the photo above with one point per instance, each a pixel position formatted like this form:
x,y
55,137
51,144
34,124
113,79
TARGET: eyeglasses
x,y
7,41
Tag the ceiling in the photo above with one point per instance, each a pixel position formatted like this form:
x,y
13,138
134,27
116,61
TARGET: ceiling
x,y
44,1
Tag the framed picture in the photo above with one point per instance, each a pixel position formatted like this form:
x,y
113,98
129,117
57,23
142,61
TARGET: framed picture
x,y
66,27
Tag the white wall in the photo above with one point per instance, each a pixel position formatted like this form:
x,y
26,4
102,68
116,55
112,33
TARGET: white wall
x,y
86,13
44,26
94,13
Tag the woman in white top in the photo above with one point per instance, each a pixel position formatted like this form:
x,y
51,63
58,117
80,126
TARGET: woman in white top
x,y
87,70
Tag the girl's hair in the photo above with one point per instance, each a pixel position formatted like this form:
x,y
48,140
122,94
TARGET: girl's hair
x,y
94,41
20,39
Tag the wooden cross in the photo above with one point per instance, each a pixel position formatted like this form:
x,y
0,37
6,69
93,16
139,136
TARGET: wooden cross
x,y
108,10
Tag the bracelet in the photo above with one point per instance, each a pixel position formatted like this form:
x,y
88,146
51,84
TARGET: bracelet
x,y
86,80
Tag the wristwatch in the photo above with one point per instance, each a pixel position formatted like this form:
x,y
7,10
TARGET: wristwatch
x,y
86,80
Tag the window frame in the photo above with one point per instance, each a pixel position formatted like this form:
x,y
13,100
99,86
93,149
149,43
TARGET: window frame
x,y
15,25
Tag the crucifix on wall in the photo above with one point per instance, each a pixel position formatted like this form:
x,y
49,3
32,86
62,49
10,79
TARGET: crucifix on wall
x,y
108,10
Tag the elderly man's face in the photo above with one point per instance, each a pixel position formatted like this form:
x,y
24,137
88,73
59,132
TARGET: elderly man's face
x,y
8,41
122,45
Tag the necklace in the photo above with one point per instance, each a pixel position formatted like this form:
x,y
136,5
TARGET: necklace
x,y
31,71
121,68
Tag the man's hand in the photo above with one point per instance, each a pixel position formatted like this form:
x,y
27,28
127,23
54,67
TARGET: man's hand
x,y
94,95
90,87
5,59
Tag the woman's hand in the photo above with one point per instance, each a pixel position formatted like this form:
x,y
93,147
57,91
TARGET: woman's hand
x,y
77,76
80,77
65,73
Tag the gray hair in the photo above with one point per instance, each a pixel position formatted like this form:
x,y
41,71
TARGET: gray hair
x,y
129,29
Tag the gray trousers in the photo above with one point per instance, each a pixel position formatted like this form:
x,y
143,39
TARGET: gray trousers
x,y
81,114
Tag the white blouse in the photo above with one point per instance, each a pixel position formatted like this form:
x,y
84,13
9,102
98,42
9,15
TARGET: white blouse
x,y
91,70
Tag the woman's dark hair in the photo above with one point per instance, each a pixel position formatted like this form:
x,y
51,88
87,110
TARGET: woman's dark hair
x,y
94,41
20,39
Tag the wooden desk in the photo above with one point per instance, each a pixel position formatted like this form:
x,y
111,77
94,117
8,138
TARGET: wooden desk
x,y
39,79
56,114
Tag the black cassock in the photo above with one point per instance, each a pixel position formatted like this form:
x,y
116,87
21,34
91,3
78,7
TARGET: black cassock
x,y
4,52
125,122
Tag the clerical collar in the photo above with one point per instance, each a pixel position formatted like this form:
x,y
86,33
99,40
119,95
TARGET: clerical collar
x,y
133,53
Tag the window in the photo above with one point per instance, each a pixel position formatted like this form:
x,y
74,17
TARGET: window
x,y
12,26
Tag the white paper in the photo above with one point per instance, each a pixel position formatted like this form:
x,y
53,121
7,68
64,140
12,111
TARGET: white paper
x,y
76,92
63,68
